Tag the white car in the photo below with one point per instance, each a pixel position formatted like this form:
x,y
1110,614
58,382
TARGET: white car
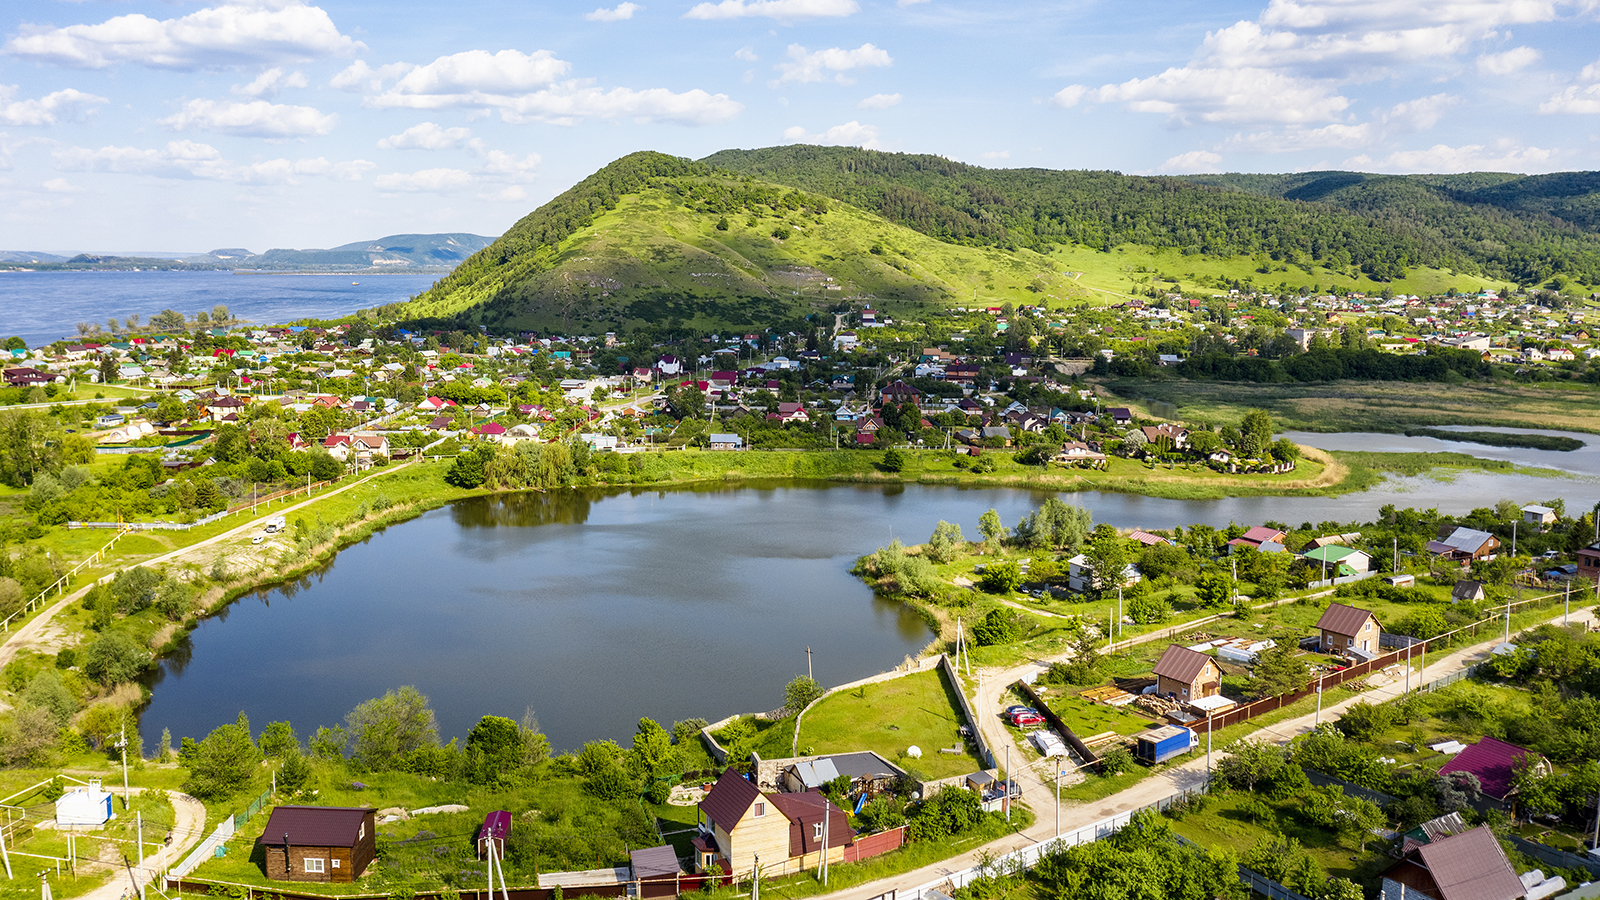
x,y
258,539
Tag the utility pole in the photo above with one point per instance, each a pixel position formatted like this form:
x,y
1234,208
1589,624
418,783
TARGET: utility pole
x,y
808,664
1007,784
1318,720
1208,745
122,743
822,867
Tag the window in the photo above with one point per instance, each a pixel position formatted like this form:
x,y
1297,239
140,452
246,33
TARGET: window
x,y
362,832
761,810
314,865
816,831
336,864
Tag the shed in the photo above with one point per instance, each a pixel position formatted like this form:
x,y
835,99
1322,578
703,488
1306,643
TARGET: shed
x,y
86,805
1161,744
496,828
319,843
1468,866
655,864
1493,761
1468,590
809,776
1187,674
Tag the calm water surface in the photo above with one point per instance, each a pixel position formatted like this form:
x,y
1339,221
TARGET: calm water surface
x,y
594,609
44,306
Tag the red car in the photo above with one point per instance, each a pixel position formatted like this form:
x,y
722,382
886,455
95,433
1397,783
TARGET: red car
x,y
1021,719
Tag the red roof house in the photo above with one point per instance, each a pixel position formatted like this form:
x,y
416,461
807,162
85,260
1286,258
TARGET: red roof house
x,y
1494,762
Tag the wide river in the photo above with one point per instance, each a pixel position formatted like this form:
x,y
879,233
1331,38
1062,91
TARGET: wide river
x,y
595,608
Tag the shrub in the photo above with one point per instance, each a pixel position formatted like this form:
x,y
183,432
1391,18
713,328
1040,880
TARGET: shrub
x,y
998,627
114,658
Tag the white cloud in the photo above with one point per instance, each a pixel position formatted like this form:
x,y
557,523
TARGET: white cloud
x,y
905,3
1582,98
191,160
747,54
1513,60
270,82
774,9
256,118
804,66
1192,162
997,154
439,181
358,76
1218,95
879,101
1502,156
1574,100
512,193
620,12
850,134
231,34
61,186
505,165
47,110
1402,118
426,136
480,71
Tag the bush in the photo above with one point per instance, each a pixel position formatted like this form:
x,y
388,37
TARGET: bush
x,y
1001,577
998,627
114,658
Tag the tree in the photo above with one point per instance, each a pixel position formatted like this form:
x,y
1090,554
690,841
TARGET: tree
x,y
278,740
1279,670
293,773
999,626
26,450
28,735
653,755
494,750
1148,609
1001,577
1214,588
992,530
114,658
222,763
946,542
1055,524
893,460
386,728
800,693
1108,557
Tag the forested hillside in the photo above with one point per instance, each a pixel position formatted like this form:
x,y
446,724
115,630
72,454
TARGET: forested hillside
x,y
1380,225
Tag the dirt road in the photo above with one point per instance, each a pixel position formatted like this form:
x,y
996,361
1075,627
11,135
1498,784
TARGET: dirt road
x,y
187,830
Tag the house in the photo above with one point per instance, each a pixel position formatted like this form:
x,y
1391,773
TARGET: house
x,y
1120,415
1494,762
494,831
1187,674
1348,629
27,376
1468,590
1166,435
866,770
1081,576
1337,561
319,843
790,412
1467,866
722,441
1589,562
900,393
1260,537
1538,516
1079,453
739,823
1464,545
84,805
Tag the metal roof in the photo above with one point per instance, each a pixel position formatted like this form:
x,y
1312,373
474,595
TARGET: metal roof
x,y
1181,664
315,826
1493,761
1341,619
654,862
1471,866
729,799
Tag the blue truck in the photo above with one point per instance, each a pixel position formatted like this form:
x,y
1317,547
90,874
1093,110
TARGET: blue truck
x,y
1161,744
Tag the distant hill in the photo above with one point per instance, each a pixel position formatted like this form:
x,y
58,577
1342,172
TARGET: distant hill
x,y
395,253
24,256
1525,229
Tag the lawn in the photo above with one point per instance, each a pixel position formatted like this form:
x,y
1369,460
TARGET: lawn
x,y
1088,718
1222,824
887,717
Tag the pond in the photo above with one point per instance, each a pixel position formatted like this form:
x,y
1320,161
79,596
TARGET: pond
x,y
594,608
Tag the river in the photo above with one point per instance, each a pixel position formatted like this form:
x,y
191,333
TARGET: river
x,y
594,608
41,307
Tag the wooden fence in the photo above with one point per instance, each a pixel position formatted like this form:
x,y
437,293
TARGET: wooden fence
x,y
1332,679
1076,743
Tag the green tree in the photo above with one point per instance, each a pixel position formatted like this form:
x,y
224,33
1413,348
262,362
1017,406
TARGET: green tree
x,y
653,754
494,751
1279,670
1107,553
893,460
46,691
1001,577
114,658
1214,588
990,527
278,740
998,626
384,729
222,763
801,692
946,542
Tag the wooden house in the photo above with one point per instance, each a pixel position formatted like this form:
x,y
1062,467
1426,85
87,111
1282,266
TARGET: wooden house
x,y
1187,674
739,823
319,843
1347,629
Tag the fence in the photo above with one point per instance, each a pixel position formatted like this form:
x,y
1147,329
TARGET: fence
x,y
1550,856
1452,678
985,755
200,523
249,811
1076,743
1266,887
218,836
60,584
1332,679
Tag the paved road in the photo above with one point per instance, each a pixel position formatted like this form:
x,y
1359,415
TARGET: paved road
x,y
35,630
1038,786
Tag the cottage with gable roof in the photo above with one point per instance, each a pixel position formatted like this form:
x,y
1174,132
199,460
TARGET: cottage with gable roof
x,y
1464,545
738,823
1187,674
1467,866
319,843
1349,629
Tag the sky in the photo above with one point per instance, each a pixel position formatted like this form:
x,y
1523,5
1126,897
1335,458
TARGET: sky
x,y
191,126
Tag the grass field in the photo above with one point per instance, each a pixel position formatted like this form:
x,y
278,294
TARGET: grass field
x,y
1088,719
1373,405
887,717
1223,824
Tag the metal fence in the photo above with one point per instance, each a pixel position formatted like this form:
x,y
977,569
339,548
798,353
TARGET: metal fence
x,y
249,811
1266,887
1550,856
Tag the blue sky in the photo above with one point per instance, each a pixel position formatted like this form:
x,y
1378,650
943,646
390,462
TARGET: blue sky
x,y
132,124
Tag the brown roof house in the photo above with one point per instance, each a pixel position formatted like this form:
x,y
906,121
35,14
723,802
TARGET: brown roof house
x,y
739,823
319,843
1187,674
1346,629
1467,866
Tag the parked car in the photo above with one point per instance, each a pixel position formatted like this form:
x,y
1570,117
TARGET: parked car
x,y
1013,710
1551,554
258,539
1024,719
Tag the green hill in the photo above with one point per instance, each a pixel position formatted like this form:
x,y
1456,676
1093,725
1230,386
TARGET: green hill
x,y
759,237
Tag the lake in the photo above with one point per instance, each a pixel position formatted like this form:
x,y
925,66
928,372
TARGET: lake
x,y
594,608
42,307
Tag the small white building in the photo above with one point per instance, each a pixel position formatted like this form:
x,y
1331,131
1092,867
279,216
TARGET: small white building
x,y
86,805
